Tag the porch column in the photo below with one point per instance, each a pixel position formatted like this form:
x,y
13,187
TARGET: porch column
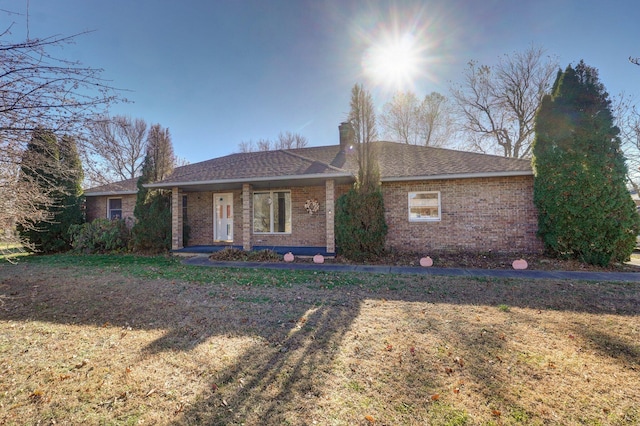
x,y
176,219
246,217
330,214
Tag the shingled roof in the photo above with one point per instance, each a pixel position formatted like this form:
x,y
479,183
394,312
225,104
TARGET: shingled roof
x,y
397,162
128,186
401,161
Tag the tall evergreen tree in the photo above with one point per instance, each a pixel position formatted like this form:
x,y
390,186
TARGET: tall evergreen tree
x,y
152,230
585,210
71,177
160,151
38,169
55,168
360,227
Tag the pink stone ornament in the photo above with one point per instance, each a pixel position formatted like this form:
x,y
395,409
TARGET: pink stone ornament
x,y
318,258
426,262
289,257
520,264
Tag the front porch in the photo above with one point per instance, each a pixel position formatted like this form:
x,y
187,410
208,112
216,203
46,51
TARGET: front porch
x,y
281,250
220,217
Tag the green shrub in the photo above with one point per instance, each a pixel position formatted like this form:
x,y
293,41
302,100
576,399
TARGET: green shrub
x,y
234,254
100,236
361,230
152,231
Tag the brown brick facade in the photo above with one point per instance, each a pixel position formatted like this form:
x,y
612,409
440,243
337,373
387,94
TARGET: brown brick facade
x,y
477,215
307,230
96,207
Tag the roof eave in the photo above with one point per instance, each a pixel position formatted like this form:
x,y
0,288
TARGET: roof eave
x,y
459,176
247,180
99,194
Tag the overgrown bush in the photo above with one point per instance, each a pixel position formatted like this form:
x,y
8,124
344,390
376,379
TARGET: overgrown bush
x,y
100,236
361,230
152,231
234,254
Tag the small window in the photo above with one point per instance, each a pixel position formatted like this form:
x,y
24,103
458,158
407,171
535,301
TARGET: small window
x,y
114,208
272,212
424,206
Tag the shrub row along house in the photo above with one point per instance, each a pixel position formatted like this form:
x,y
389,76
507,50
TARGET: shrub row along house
x,y
435,199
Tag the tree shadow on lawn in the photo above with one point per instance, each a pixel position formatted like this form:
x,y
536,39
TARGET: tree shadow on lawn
x,y
299,330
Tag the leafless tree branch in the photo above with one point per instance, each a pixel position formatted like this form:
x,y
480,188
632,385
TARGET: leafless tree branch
x,y
497,105
40,91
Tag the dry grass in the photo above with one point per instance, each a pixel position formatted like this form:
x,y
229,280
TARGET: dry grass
x,y
162,343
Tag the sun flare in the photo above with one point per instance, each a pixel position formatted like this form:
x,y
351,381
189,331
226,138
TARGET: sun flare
x,y
393,62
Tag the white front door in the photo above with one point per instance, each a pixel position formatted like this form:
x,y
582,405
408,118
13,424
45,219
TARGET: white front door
x,y
223,217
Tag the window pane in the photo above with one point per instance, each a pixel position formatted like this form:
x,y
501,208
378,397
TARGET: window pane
x,y
268,206
424,206
261,212
282,212
115,208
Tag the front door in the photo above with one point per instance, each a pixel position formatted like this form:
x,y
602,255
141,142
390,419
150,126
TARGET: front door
x,y
223,217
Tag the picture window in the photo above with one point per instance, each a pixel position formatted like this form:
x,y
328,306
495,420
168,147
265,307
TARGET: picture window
x,y
424,206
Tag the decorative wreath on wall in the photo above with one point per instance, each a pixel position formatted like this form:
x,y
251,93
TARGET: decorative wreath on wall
x,y
312,206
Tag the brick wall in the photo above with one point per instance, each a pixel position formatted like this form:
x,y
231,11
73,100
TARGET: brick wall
x,y
97,206
306,230
200,218
476,215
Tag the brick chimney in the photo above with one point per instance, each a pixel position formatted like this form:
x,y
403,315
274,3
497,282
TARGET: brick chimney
x,y
347,136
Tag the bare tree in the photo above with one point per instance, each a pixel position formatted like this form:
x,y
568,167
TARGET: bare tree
x,y
115,149
628,121
363,121
407,120
290,140
399,119
286,140
436,124
38,90
498,104
264,145
246,146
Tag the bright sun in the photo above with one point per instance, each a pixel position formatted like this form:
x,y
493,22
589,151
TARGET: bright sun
x,y
394,62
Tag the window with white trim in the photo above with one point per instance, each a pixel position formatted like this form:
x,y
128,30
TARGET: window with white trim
x,y
272,212
114,208
424,206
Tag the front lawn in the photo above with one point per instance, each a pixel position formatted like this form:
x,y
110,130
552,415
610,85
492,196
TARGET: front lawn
x,y
142,340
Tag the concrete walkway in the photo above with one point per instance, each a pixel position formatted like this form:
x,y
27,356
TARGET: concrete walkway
x,y
460,272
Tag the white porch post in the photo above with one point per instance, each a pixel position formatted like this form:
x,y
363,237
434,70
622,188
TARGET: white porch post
x,y
330,215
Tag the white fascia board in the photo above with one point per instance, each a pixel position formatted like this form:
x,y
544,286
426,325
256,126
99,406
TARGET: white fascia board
x,y
108,193
246,180
459,176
